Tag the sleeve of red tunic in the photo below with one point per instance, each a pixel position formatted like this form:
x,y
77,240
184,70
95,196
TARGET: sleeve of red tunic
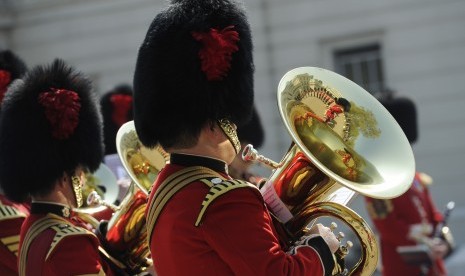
x,y
238,226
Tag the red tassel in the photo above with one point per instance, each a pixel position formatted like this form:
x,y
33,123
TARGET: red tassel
x,y
218,47
62,111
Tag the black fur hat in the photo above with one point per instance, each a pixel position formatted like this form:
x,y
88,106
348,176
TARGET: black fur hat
x,y
405,113
11,68
252,132
49,124
116,110
194,66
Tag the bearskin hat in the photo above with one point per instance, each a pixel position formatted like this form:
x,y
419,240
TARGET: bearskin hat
x,y
405,113
49,124
11,68
194,66
252,132
116,110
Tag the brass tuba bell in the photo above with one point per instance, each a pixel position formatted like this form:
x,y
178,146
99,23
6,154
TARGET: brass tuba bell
x,y
124,236
343,142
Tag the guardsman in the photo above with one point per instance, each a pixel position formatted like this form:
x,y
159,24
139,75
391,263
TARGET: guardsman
x,y
50,136
12,214
117,109
193,84
411,218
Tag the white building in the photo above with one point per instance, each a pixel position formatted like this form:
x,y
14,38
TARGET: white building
x,y
420,45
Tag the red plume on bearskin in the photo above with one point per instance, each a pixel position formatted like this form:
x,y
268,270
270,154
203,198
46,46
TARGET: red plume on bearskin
x,y
218,47
117,109
5,79
194,66
49,124
62,111
11,68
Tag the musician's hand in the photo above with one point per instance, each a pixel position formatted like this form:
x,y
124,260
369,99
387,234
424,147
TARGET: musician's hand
x,y
327,235
418,231
151,270
439,248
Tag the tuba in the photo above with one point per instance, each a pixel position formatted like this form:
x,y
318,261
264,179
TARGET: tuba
x,y
343,142
124,235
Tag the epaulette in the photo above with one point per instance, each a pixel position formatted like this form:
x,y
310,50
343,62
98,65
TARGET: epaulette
x,y
425,179
6,213
9,212
170,186
63,230
12,243
219,187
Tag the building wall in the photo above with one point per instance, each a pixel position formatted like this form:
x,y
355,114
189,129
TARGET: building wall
x,y
423,47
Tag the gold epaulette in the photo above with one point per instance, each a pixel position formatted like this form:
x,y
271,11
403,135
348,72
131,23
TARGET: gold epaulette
x,y
170,186
9,212
425,179
6,213
62,228
12,243
218,188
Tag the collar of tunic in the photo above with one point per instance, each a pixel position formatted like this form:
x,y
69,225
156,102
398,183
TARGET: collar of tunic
x,y
188,160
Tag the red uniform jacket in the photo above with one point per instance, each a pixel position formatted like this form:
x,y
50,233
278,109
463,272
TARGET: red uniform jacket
x,y
62,249
12,216
235,237
393,219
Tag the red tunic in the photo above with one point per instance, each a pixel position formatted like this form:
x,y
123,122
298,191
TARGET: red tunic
x,y
236,236
74,254
393,219
12,216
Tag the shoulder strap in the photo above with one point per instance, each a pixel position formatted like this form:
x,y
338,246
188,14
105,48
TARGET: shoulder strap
x,y
6,213
9,212
65,229
170,186
217,189
62,228
36,228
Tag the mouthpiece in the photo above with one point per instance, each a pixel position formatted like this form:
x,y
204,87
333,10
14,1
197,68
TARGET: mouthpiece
x,y
251,154
94,199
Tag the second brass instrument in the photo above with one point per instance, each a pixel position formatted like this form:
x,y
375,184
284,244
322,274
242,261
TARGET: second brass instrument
x,y
343,141
124,236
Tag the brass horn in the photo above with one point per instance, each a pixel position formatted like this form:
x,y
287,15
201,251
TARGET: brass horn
x,y
343,142
124,236
101,184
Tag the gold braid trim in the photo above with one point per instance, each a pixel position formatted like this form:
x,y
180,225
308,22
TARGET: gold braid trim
x,y
12,243
37,227
170,186
219,189
8,212
61,226
63,230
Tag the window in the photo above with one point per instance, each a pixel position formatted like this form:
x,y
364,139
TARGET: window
x,y
362,65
